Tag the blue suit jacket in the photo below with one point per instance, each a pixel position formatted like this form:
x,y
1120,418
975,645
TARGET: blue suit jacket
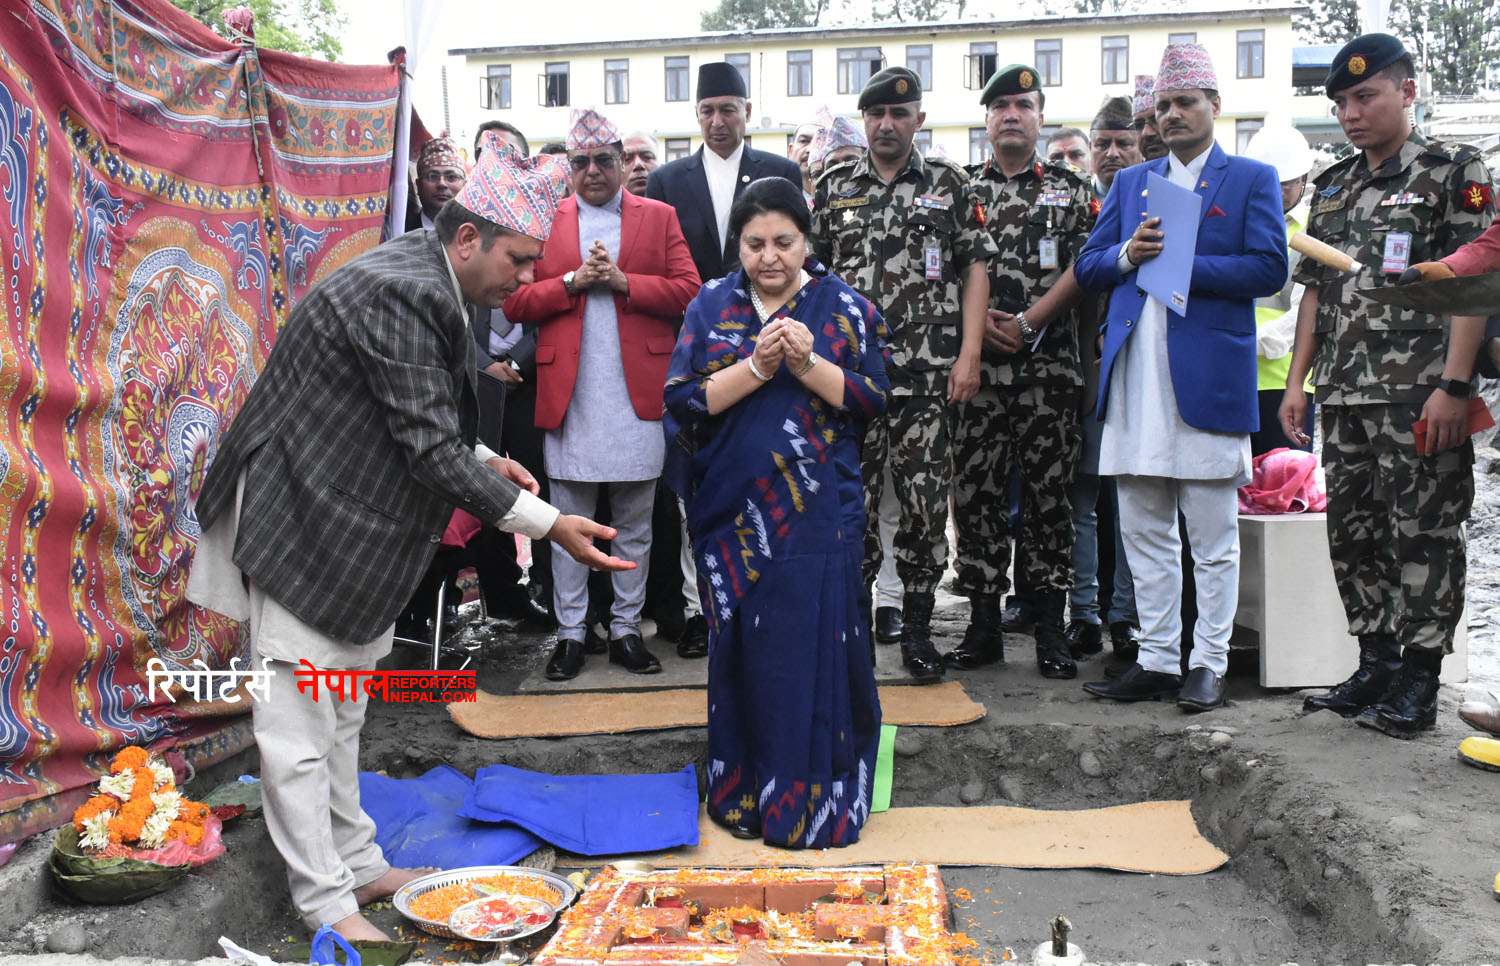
x,y
683,185
1241,256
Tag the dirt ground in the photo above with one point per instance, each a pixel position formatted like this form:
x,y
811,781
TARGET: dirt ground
x,y
1346,846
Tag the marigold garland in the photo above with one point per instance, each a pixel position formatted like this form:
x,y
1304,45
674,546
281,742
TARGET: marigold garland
x,y
138,805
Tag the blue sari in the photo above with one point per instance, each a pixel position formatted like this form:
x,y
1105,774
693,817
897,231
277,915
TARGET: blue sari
x,y
775,504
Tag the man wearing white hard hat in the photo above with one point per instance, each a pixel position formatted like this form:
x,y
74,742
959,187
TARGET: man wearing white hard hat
x,y
1284,148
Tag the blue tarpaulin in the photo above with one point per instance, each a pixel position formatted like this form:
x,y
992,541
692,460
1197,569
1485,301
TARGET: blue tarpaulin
x,y
417,823
591,814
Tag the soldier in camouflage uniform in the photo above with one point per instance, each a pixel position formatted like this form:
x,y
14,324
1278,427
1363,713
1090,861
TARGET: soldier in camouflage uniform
x,y
1395,512
905,232
1024,420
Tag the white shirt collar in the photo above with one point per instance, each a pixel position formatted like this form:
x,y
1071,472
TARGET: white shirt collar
x,y
1194,167
712,160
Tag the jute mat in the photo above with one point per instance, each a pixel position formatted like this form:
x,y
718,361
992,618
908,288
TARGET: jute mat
x,y
1158,837
613,712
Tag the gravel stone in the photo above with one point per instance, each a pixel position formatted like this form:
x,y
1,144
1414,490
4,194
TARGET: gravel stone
x,y
1220,739
971,792
1011,790
908,744
1209,773
1268,828
1089,764
68,938
1332,872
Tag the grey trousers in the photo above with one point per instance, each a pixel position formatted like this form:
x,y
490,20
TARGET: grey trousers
x,y
630,514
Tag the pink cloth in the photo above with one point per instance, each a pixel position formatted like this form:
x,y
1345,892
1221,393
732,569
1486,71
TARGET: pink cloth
x,y
461,529
1283,481
1478,256
515,192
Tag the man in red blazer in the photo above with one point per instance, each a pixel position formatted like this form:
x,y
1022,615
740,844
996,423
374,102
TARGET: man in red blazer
x,y
615,275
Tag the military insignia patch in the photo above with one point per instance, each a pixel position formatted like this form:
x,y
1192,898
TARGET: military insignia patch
x,y
1025,80
1331,190
838,203
1357,65
1095,207
1476,196
901,85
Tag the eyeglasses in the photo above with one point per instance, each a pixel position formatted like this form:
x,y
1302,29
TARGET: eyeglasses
x,y
451,177
604,161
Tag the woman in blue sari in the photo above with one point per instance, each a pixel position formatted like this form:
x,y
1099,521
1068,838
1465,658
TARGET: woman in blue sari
x,y
778,368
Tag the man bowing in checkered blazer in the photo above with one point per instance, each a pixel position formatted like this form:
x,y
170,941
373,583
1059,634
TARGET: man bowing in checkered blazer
x,y
330,491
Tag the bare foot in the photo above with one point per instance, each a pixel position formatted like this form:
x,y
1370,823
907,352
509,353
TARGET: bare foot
x,y
357,927
386,886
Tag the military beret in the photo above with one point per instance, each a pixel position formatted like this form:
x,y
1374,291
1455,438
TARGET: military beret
x,y
719,79
1015,79
1363,58
894,85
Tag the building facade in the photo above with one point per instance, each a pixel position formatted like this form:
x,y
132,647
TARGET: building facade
x,y
648,84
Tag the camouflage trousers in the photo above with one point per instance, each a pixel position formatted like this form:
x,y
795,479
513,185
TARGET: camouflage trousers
x,y
913,437
1030,432
1395,524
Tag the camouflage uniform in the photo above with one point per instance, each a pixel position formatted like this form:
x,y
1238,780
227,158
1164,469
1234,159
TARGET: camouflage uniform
x,y
1025,417
1394,518
874,235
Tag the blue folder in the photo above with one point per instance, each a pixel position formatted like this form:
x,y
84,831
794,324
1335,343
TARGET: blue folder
x,y
1169,275
591,814
417,823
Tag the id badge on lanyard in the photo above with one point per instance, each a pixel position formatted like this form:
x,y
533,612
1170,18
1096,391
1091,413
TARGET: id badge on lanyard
x,y
1048,253
933,258
1397,257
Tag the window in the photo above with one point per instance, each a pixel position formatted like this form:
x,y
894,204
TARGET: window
x,y
741,63
919,59
979,145
980,65
922,141
1250,59
1244,130
1191,37
1049,62
678,148
495,94
554,86
856,65
798,73
616,81
677,78
1115,60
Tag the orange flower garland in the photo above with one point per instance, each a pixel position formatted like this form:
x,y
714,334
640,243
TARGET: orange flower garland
x,y
117,818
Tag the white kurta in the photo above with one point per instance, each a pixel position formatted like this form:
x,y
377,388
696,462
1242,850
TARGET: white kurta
x,y
723,175
1144,433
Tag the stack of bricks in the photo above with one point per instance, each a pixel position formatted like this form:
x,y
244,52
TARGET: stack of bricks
x,y
891,916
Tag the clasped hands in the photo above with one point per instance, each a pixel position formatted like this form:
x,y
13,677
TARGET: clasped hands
x,y
600,269
1146,243
783,340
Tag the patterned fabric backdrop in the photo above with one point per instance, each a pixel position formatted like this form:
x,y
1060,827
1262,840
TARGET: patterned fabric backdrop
x,y
165,198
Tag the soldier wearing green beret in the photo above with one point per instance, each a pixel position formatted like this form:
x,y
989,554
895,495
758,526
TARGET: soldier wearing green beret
x,y
1397,497
1024,420
906,232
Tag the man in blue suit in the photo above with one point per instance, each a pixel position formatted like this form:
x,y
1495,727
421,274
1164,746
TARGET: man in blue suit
x,y
1177,392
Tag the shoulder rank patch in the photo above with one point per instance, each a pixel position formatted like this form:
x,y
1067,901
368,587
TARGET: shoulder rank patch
x,y
1476,196
838,203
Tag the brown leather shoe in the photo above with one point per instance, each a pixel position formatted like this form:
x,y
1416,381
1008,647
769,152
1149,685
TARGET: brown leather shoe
x,y
1481,715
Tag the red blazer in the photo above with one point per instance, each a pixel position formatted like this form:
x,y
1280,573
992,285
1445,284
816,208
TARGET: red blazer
x,y
655,257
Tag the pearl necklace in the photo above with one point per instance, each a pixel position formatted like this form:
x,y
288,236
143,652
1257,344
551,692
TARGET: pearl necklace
x,y
759,306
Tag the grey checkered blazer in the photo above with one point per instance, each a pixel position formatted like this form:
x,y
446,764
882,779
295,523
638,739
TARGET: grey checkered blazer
x,y
357,443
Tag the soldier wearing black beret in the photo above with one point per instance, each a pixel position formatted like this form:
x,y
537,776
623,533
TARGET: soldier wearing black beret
x,y
894,85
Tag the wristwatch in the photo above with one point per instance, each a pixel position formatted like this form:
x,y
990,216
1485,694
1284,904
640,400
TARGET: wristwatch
x,y
568,284
1027,332
1456,388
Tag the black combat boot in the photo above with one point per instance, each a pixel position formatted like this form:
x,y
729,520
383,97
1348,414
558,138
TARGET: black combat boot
x,y
1409,704
984,642
1379,657
917,652
1054,653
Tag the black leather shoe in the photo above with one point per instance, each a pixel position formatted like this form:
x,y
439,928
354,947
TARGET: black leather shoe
x,y
629,651
1202,690
984,642
1136,684
1379,660
742,828
1084,639
1409,705
1018,617
887,625
567,661
671,624
1053,657
519,608
694,641
593,641
917,653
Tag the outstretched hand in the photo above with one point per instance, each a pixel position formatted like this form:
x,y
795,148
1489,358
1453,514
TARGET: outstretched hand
x,y
576,535
514,472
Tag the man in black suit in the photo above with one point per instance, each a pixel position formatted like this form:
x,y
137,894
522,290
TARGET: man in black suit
x,y
702,187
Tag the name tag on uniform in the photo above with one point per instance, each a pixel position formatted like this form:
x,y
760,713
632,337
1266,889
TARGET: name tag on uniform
x,y
1049,253
1397,252
838,203
1324,207
933,257
932,201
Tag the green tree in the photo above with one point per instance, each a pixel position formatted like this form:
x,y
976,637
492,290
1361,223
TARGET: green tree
x,y
756,14
307,27
1328,22
1457,40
